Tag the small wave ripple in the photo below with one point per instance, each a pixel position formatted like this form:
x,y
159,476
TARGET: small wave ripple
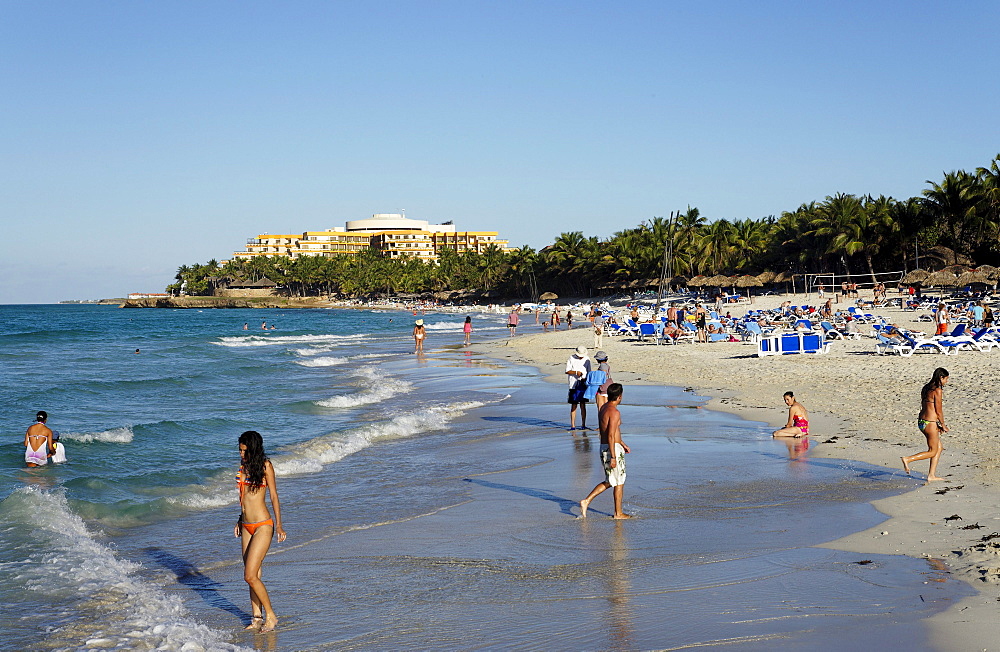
x,y
333,361
121,435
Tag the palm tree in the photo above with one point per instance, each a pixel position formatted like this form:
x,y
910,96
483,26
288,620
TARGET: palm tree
x,y
954,204
717,247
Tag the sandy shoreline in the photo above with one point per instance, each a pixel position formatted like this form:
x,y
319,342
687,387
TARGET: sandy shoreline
x,y
861,407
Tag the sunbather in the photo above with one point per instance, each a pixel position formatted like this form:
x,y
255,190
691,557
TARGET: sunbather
x,y
798,419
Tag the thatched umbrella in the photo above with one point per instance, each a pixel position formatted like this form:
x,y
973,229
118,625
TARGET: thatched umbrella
x,y
917,276
971,277
766,277
782,277
717,281
548,296
942,279
747,281
991,272
697,282
677,280
955,269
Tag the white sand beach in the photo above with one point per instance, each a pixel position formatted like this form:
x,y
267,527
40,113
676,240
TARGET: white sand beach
x,y
862,407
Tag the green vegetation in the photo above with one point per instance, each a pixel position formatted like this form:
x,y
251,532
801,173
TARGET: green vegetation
x,y
959,216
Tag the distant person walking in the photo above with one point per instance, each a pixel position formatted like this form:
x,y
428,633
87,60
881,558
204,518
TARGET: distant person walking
x,y
467,329
942,319
38,441
598,329
256,528
613,451
419,333
931,423
513,319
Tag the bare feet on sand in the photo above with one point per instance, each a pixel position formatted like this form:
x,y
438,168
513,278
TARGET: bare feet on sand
x,y
621,516
933,478
255,622
906,465
584,504
269,624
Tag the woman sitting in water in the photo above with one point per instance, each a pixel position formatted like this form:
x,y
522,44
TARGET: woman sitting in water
x,y
931,423
256,528
798,420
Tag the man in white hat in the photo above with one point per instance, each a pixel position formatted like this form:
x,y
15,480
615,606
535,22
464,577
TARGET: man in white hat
x,y
577,368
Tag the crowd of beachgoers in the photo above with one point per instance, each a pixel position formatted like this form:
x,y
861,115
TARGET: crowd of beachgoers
x,y
863,394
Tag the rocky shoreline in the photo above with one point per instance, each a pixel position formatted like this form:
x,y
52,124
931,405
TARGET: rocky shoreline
x,y
226,302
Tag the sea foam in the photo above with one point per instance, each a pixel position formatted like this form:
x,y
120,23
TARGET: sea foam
x,y
313,455
121,435
118,610
273,340
385,388
333,361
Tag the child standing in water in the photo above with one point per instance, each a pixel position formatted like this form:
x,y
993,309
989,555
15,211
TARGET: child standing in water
x,y
931,423
467,329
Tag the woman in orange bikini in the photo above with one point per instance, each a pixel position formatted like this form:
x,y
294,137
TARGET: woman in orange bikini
x,y
930,421
256,528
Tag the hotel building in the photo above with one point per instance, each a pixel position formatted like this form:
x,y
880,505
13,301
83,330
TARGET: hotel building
x,y
393,234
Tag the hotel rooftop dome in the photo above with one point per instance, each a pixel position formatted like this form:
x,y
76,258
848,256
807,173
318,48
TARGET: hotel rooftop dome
x,y
397,222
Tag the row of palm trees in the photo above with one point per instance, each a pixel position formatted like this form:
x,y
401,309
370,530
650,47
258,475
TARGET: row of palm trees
x,y
956,220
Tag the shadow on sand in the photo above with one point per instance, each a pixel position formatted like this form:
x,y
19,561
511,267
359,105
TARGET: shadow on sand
x,y
188,575
565,505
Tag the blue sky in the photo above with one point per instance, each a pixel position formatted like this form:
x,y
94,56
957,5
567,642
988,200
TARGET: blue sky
x,y
139,136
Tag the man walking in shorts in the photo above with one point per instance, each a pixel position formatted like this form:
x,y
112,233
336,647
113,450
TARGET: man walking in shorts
x,y
613,451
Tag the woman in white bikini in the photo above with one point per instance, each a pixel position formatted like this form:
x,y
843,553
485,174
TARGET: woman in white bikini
x,y
418,336
38,442
256,527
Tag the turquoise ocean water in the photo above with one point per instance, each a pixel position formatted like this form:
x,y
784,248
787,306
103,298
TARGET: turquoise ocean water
x,y
116,548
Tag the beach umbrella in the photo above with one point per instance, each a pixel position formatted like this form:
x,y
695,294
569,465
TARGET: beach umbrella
x,y
747,281
955,269
766,277
677,280
716,281
916,276
697,281
991,272
782,277
548,296
973,276
942,279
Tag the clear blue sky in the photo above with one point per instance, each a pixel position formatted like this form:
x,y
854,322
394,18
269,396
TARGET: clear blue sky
x,y
139,136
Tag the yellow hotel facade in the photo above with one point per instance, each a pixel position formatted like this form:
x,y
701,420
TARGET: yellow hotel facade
x,y
393,234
